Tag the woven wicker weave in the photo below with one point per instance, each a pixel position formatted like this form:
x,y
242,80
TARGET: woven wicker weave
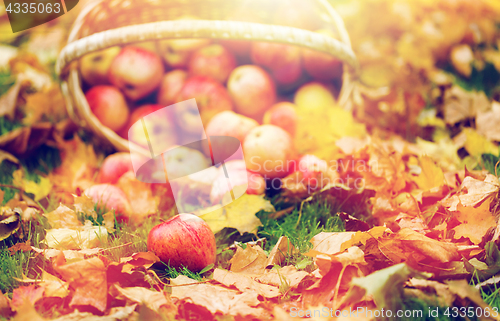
x,y
106,23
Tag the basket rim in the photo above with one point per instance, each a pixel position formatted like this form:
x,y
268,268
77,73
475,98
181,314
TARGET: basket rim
x,y
214,29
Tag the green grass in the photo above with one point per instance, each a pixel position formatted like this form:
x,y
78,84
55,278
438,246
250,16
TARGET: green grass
x,y
489,162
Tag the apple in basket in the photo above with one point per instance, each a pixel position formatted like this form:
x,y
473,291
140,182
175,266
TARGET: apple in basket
x,y
320,65
211,98
117,164
137,72
108,105
214,61
94,67
284,115
185,240
229,123
171,86
268,151
252,90
161,127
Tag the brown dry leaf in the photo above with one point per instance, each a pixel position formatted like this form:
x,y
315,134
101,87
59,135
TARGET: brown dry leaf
x,y
85,205
228,302
437,250
287,274
143,259
330,243
431,176
245,283
24,139
77,169
26,294
472,191
109,221
487,122
63,217
361,237
441,291
88,279
476,221
54,287
21,246
282,249
460,104
152,299
140,196
50,254
47,104
77,238
251,260
464,290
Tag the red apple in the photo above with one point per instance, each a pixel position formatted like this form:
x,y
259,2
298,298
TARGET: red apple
x,y
115,165
211,98
185,240
320,65
268,151
252,90
94,67
108,105
136,71
111,198
214,61
288,75
275,55
160,124
240,48
229,123
171,86
283,115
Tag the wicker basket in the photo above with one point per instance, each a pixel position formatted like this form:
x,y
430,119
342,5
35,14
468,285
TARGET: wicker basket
x,y
105,23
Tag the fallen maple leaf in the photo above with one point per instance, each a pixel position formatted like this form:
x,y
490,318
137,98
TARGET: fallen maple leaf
x,y
251,260
228,302
285,275
245,283
431,176
83,237
330,243
26,294
140,196
63,217
239,214
476,221
88,279
472,192
152,299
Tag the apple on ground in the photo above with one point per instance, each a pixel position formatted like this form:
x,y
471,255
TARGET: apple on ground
x,y
94,67
211,98
238,175
185,240
115,165
137,72
268,150
252,90
314,97
214,61
320,65
162,129
108,105
110,197
284,115
171,86
312,174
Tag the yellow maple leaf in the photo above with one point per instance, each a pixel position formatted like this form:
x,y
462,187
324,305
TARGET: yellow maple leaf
x,y
477,144
239,214
431,175
40,190
476,221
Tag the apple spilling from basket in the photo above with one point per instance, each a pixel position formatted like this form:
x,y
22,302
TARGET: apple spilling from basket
x,y
252,95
